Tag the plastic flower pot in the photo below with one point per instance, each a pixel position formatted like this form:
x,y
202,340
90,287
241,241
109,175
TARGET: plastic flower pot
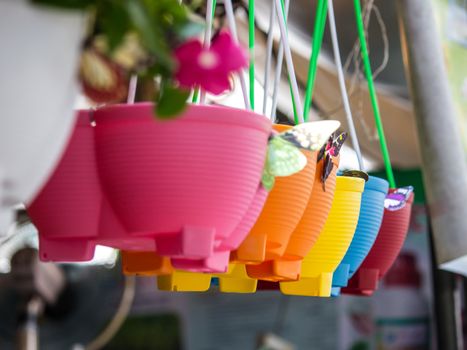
x,y
384,252
145,264
186,183
289,265
369,223
67,210
236,280
183,281
71,212
281,214
38,92
333,242
219,260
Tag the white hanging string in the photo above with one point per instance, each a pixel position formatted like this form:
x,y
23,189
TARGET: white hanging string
x,y
278,71
233,30
288,59
267,70
207,39
132,89
343,89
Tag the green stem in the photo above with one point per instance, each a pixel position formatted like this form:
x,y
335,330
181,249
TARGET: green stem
x,y
251,45
372,90
195,95
317,40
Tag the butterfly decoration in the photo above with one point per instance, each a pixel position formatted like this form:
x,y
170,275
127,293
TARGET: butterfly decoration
x,y
327,152
397,199
284,157
356,173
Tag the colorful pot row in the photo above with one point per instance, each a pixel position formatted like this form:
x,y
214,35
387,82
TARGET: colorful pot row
x,y
189,189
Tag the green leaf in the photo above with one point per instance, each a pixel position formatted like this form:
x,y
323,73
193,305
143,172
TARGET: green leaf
x,y
113,20
172,102
151,33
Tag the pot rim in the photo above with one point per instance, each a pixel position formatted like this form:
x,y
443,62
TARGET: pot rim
x,y
377,184
125,112
348,183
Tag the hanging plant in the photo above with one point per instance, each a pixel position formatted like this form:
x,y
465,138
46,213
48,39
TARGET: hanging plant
x,y
134,37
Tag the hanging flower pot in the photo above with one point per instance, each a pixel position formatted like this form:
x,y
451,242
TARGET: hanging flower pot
x,y
185,183
183,281
236,280
332,243
38,91
369,223
288,266
145,264
71,213
282,212
385,249
67,210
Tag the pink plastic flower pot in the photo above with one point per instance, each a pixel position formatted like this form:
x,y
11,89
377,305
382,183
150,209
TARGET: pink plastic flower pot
x,y
185,183
384,252
67,209
71,213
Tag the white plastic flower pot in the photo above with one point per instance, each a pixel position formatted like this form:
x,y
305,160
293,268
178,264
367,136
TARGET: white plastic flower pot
x,y
40,49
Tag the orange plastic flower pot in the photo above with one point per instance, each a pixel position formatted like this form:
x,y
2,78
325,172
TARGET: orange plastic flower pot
x,y
145,264
281,214
288,267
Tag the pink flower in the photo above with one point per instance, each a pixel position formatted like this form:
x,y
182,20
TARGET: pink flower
x,y
209,68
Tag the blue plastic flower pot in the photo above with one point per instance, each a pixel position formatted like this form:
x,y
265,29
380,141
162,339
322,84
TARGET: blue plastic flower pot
x,y
369,222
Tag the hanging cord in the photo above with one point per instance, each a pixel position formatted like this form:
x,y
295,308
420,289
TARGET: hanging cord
x,y
132,89
251,46
341,78
288,57
207,35
373,97
267,70
233,29
318,32
278,71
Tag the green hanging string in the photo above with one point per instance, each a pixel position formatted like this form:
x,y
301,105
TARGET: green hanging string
x,y
318,33
194,99
296,120
251,45
372,90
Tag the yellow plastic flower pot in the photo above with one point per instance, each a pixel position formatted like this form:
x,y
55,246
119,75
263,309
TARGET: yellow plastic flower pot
x,y
182,281
236,280
333,242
